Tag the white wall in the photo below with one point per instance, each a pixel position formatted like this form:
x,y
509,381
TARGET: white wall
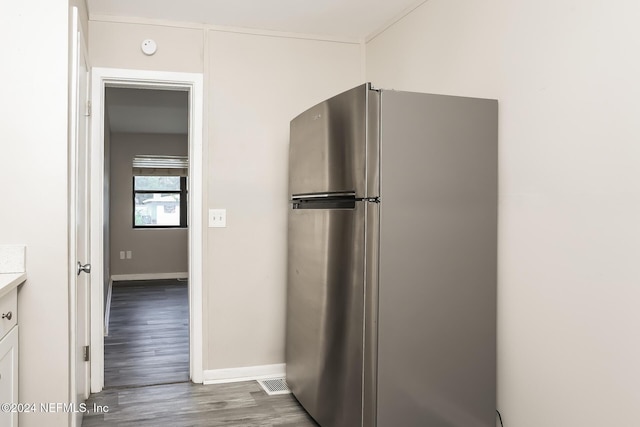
x,y
117,45
257,84
254,85
33,185
566,75
451,48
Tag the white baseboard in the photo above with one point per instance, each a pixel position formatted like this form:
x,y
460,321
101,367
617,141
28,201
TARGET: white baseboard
x,y
107,308
249,373
149,276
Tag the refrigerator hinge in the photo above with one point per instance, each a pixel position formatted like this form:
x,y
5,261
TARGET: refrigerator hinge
x,y
369,199
373,88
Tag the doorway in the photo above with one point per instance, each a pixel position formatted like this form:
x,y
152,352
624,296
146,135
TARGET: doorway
x,y
105,83
146,302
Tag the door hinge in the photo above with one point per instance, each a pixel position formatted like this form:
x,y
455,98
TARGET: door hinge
x,y
85,353
88,113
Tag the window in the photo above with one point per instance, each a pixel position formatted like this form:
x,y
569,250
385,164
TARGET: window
x,y
159,201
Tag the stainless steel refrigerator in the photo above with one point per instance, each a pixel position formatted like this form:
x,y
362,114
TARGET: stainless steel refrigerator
x,y
392,241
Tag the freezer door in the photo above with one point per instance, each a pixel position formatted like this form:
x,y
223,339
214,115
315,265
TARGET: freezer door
x,y
330,150
324,334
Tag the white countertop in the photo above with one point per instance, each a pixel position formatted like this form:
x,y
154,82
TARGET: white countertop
x,y
9,281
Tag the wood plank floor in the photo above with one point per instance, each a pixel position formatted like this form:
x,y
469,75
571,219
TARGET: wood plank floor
x,y
148,341
191,405
147,371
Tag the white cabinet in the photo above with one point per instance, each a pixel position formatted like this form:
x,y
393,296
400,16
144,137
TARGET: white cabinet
x,y
9,358
12,275
8,311
9,377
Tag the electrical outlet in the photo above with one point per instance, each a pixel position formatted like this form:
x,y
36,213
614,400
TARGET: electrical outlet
x,y
121,254
128,254
217,218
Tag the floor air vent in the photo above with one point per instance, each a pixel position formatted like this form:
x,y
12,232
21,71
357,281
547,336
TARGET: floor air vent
x,y
274,386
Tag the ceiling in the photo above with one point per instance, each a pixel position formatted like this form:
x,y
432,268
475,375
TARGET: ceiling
x,y
336,18
158,111
147,110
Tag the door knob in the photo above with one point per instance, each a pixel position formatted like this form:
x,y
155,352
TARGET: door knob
x,y
86,268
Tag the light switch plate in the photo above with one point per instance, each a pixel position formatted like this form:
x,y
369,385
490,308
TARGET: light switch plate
x,y
217,218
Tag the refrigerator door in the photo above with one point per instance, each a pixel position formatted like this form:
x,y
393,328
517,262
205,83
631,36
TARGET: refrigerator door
x,y
324,334
438,245
329,150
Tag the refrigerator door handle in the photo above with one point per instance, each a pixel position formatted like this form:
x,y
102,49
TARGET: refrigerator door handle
x,y
343,203
321,196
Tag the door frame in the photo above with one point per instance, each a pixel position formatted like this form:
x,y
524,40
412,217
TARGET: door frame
x,y
127,78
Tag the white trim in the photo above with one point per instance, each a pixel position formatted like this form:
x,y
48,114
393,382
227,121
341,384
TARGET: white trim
x,y
222,28
394,20
192,82
107,308
196,227
149,276
97,236
248,373
116,19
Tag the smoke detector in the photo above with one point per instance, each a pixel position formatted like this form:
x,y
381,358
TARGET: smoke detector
x,y
149,47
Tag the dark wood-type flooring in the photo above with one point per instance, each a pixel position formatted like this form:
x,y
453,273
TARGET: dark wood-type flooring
x,y
192,405
148,341
147,371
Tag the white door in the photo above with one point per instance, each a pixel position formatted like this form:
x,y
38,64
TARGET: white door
x,y
80,227
82,231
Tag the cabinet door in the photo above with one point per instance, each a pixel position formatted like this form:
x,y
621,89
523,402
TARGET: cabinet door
x,y
9,376
9,309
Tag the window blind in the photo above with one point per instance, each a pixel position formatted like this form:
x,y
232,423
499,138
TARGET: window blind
x,y
160,165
